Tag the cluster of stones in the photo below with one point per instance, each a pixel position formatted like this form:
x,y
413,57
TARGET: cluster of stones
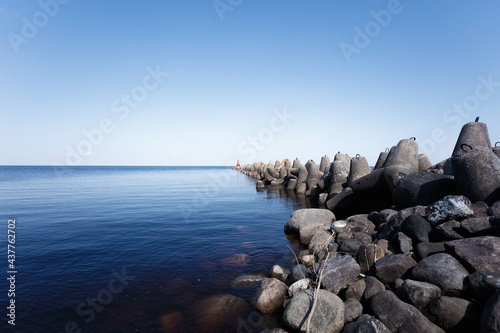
x,y
428,262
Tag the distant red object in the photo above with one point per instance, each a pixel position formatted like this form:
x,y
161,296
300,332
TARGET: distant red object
x,y
238,163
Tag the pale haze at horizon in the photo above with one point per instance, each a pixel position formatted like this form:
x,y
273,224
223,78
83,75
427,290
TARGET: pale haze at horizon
x,y
173,83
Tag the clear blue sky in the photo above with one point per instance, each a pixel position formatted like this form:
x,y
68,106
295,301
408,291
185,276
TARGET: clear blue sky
x,y
353,78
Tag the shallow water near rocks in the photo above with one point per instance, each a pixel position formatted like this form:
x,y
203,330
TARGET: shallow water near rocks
x,y
135,249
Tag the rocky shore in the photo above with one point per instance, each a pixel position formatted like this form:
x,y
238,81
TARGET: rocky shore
x,y
405,247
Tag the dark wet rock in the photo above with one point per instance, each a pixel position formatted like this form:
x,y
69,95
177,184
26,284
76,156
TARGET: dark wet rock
x,y
387,247
356,289
391,228
399,316
299,272
350,245
319,241
391,267
477,225
494,210
450,230
422,188
373,287
367,256
418,293
480,253
279,273
339,272
247,281
270,295
172,322
298,286
490,319
366,324
309,216
483,284
405,243
416,227
426,249
342,237
480,208
328,316
386,214
219,312
451,207
436,269
456,314
353,309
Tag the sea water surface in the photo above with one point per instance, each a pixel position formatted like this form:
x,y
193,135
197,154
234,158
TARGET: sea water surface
x,y
116,249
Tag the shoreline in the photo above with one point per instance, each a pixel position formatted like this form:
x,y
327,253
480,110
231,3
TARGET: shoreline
x,y
380,248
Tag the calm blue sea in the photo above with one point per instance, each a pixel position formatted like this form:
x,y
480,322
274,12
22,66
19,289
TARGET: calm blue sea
x,y
143,241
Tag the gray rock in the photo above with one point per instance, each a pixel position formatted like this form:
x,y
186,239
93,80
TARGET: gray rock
x,y
490,319
386,214
391,228
419,294
366,324
299,272
308,260
270,295
483,284
392,267
309,216
480,253
450,230
356,289
328,316
373,287
363,237
368,255
299,286
342,237
422,188
451,207
416,227
480,208
405,243
477,225
307,231
436,269
363,223
350,245
353,309
456,314
279,273
399,316
426,249
319,241
274,330
339,272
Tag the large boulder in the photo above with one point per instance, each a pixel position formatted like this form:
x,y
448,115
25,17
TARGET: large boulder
x,y
456,314
392,267
436,269
418,293
399,316
451,207
480,253
339,272
416,227
309,216
328,316
422,188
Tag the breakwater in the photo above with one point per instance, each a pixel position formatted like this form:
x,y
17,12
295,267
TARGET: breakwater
x,y
405,247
